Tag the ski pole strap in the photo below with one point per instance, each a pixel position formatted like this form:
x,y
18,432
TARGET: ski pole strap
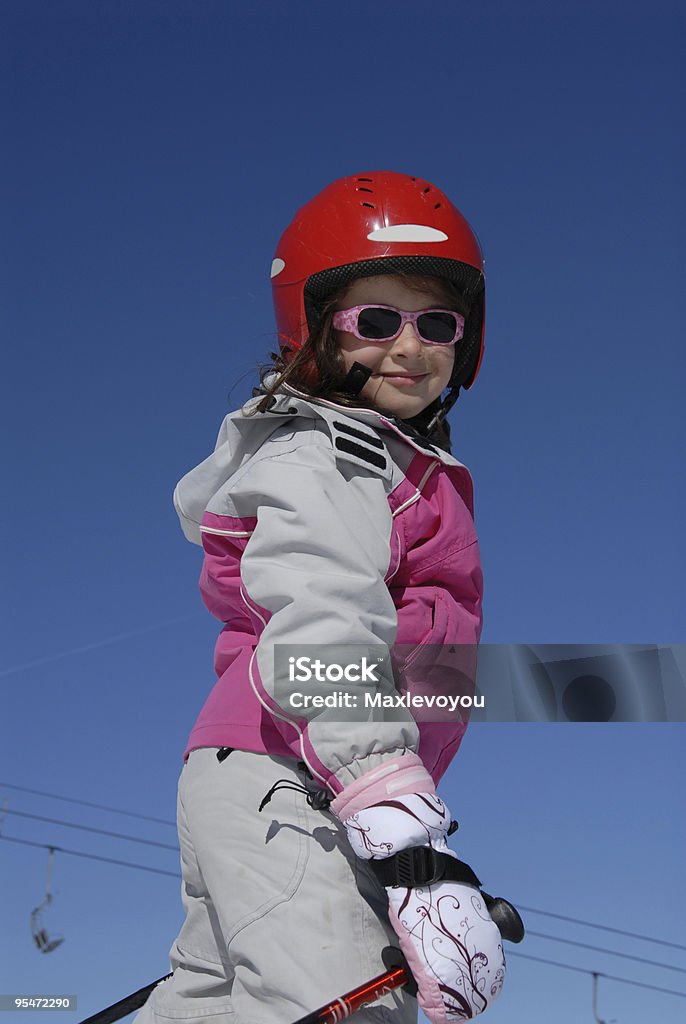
x,y
421,865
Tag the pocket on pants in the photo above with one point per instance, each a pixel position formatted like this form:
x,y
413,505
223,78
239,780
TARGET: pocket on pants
x,y
248,861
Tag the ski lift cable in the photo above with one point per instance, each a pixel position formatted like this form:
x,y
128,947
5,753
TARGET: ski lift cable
x,y
97,831
601,927
610,977
90,856
10,670
3,811
87,803
612,952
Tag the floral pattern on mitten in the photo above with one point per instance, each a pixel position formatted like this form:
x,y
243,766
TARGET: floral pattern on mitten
x,y
453,948
416,819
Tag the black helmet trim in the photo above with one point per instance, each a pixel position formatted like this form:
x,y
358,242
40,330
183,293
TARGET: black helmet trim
x,y
468,279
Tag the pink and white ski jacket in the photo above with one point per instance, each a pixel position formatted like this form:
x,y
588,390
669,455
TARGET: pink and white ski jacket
x,y
323,524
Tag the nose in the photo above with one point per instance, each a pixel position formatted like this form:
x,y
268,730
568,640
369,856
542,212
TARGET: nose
x,y
408,342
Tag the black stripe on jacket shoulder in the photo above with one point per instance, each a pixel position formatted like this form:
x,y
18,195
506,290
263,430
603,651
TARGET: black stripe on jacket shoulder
x,y
371,439
373,458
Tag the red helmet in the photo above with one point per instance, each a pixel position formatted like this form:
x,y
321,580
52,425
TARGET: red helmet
x,y
376,223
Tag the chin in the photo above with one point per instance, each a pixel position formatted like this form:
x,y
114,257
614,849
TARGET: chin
x,y
402,410
394,403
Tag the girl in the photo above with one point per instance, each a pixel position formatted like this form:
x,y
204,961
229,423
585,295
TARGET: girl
x,y
338,538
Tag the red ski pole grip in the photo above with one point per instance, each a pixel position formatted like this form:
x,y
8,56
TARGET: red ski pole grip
x,y
338,1009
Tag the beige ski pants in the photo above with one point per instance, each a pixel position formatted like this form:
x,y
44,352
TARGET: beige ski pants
x,y
281,917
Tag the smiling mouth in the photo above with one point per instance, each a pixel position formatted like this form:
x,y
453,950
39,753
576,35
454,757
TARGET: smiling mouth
x,y
404,378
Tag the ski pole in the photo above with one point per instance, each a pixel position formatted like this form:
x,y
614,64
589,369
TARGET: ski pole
x,y
338,1009
124,1006
344,1006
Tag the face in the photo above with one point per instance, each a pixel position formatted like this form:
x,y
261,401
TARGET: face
x,y
407,373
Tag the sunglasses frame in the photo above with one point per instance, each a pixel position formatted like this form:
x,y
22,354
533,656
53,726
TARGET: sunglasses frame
x,y
348,319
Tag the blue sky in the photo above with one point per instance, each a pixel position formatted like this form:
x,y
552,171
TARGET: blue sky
x,y
155,152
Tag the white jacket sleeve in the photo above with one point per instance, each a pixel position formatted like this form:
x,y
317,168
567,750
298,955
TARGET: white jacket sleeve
x,y
313,571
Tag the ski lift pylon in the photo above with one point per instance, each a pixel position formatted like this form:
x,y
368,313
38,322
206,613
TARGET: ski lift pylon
x,y
40,936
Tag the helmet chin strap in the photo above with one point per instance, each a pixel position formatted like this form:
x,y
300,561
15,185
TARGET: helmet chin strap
x,y
356,378
444,408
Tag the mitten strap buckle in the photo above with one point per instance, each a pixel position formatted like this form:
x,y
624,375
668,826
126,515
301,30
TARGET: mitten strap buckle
x,y
421,865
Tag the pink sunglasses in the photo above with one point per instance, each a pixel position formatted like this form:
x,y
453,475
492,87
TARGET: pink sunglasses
x,y
374,322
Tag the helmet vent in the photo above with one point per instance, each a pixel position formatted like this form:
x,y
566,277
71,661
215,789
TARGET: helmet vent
x,y
437,206
365,190
369,205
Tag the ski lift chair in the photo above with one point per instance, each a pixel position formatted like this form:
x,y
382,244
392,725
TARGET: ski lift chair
x,y
40,936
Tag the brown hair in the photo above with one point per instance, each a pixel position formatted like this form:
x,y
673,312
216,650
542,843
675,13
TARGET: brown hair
x,y
322,349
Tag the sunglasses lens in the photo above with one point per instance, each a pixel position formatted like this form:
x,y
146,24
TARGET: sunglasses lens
x,y
376,323
438,327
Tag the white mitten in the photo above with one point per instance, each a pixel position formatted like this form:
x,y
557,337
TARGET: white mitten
x,y
453,947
